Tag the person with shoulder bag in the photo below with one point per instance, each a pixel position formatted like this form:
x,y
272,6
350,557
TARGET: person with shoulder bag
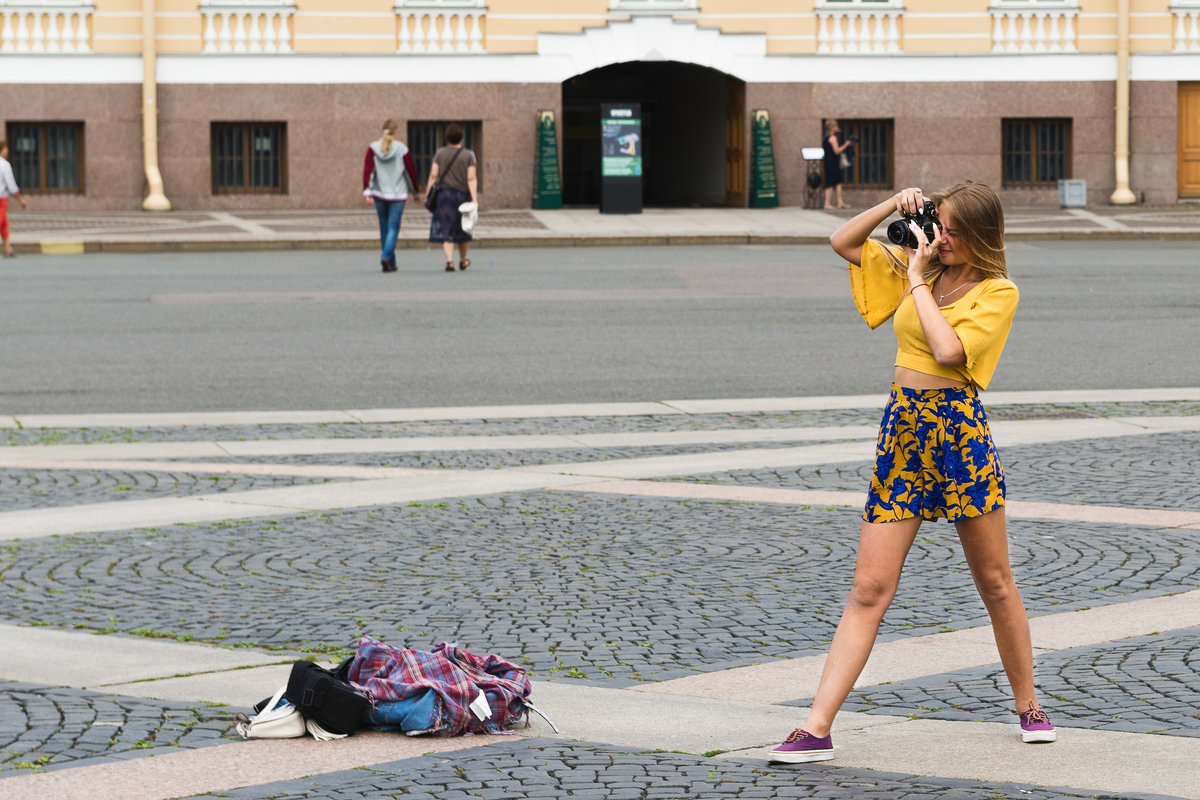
x,y
453,186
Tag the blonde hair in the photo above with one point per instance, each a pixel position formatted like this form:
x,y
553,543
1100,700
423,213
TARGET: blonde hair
x,y
979,219
830,124
980,225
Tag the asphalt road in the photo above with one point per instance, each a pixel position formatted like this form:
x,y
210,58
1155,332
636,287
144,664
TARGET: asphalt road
x,y
326,330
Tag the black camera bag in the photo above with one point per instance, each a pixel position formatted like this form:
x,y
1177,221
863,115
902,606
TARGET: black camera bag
x,y
322,695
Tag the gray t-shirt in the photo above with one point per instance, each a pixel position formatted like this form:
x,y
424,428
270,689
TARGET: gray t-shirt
x,y
456,176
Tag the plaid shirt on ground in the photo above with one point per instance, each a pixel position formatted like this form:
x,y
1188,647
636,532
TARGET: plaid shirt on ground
x,y
387,674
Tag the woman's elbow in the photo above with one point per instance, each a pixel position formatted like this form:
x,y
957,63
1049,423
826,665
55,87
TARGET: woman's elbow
x,y
844,246
951,357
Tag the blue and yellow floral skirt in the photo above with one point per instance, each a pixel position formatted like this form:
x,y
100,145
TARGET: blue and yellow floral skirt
x,y
935,458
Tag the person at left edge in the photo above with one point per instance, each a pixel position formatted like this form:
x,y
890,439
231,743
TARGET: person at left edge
x,y
8,188
388,172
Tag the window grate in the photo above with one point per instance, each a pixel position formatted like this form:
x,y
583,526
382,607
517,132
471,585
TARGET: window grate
x,y
872,165
1036,152
426,137
47,157
249,158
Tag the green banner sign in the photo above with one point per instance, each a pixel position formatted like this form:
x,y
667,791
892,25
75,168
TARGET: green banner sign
x,y
764,192
547,183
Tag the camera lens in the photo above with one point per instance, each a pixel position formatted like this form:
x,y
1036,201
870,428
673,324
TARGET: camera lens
x,y
899,233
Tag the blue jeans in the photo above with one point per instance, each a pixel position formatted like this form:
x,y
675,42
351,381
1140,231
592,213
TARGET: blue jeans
x,y
389,212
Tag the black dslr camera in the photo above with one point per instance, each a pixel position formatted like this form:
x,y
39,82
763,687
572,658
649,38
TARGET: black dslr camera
x,y
927,220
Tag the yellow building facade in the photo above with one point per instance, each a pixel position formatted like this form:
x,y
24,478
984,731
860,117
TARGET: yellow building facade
x,y
270,103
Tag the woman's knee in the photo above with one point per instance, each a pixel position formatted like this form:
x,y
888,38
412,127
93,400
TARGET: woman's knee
x,y
871,592
996,587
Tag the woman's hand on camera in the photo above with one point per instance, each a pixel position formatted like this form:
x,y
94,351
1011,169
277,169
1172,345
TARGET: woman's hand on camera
x,y
909,201
926,249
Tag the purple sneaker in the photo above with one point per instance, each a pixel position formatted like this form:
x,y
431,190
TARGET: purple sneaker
x,y
800,747
1036,726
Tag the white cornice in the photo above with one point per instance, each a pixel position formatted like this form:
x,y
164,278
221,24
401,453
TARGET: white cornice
x,y
402,69
556,68
70,68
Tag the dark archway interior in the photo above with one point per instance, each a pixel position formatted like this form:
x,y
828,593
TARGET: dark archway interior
x,y
683,130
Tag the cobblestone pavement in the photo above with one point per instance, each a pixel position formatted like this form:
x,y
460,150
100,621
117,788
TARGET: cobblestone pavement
x,y
546,769
44,727
595,590
584,588
1146,684
1153,471
40,488
576,426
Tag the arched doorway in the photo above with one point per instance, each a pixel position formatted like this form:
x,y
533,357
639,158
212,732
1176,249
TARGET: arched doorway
x,y
693,129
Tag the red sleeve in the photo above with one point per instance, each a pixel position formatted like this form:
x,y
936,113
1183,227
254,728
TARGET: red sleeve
x,y
411,167
368,167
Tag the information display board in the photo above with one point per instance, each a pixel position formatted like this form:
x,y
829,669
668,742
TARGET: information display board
x,y
621,164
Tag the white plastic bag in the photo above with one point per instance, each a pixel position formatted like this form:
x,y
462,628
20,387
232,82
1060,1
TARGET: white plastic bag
x,y
279,719
470,215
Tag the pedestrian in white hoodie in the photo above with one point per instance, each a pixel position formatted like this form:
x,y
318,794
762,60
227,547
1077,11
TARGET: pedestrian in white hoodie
x,y
388,172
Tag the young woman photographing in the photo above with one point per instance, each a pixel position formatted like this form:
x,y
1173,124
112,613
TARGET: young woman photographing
x,y
952,306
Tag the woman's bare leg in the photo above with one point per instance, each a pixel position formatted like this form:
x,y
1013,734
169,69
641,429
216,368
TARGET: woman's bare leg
x,y
985,543
882,548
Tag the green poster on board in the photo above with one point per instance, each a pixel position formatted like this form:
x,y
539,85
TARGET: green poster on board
x,y
547,184
764,192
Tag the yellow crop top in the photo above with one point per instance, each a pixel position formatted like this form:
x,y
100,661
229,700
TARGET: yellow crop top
x,y
982,317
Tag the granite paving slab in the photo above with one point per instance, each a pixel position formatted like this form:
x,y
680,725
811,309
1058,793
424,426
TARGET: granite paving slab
x,y
562,425
500,459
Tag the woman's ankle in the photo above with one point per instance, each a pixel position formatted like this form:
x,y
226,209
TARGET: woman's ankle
x,y
818,728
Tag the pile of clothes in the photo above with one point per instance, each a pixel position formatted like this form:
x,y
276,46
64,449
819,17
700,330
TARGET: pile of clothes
x,y
445,691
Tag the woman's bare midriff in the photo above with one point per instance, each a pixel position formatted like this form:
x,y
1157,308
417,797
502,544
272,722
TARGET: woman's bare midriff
x,y
911,379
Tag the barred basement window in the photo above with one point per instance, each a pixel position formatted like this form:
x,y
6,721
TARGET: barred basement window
x,y
872,164
249,158
425,138
47,157
1037,152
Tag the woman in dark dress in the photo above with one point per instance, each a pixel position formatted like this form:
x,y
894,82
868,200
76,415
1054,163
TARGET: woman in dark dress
x,y
833,165
455,170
